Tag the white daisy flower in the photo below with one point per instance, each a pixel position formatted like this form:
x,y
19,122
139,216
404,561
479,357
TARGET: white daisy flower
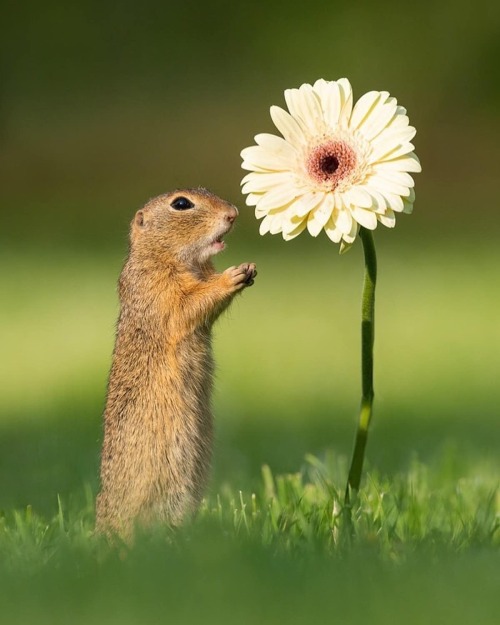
x,y
336,168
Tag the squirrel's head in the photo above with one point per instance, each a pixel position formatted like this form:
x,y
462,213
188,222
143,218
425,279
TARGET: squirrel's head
x,y
187,225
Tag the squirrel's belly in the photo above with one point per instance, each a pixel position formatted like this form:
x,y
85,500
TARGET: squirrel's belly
x,y
158,434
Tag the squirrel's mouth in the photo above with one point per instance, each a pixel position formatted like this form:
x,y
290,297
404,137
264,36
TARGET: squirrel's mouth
x,y
218,244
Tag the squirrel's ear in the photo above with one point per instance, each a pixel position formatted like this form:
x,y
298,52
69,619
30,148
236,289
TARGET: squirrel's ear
x,y
139,219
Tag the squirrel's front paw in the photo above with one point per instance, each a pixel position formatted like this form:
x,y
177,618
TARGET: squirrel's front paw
x,y
241,276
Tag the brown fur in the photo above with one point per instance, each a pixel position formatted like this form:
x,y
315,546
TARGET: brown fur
x,y
158,422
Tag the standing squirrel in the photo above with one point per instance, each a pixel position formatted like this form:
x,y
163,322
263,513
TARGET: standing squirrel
x,y
157,421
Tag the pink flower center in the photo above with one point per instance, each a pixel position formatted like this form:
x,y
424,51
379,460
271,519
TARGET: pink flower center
x,y
331,162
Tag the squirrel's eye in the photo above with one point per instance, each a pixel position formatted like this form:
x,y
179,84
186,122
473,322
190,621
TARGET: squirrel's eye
x,y
181,203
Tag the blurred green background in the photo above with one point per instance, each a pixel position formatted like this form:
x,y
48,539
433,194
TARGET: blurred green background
x,y
104,105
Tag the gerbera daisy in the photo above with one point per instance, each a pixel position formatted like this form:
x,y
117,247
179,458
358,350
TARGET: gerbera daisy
x,y
336,168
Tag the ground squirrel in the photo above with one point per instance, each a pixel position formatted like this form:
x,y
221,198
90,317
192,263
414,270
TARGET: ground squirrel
x,y
157,421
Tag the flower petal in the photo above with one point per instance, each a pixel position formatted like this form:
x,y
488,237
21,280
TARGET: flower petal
x,y
409,162
388,219
363,107
303,104
388,184
397,177
358,196
346,100
351,236
365,218
291,234
276,223
378,120
276,145
392,143
252,199
264,159
319,216
287,125
344,221
259,182
265,225
379,203
332,230
278,197
394,202
305,203
331,101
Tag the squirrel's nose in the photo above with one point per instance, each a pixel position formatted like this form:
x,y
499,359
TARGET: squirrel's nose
x,y
232,214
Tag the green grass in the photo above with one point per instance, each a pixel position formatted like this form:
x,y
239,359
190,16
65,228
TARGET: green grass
x,y
270,544
416,546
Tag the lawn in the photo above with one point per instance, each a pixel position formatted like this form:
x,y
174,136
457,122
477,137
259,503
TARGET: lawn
x,y
272,543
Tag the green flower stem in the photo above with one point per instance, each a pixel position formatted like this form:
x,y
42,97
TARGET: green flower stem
x,y
367,339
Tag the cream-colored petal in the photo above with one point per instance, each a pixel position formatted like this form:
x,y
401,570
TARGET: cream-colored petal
x,y
290,220
394,202
378,120
337,200
344,221
259,213
387,185
395,135
276,225
398,121
330,97
276,145
278,197
346,100
363,107
283,209
252,199
265,159
397,177
304,105
364,217
271,224
351,236
320,85
306,202
397,151
379,203
319,216
291,234
265,225
409,162
252,167
333,232
287,125
247,177
259,182
388,219
249,187
357,196
392,143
